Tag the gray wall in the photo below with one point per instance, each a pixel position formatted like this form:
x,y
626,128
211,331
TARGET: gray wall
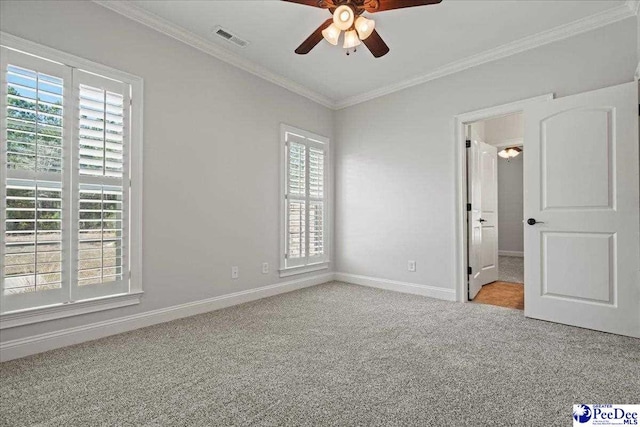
x,y
211,154
499,131
395,183
510,226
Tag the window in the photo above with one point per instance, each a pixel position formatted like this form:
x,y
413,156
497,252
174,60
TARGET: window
x,y
305,230
70,178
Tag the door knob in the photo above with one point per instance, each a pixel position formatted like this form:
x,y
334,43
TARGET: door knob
x,y
482,220
532,221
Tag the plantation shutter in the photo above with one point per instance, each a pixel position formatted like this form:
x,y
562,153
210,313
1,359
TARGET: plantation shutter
x,y
101,193
65,181
316,205
305,203
34,161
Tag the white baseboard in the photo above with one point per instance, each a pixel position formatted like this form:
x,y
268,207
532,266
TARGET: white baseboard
x,y
44,342
511,253
393,285
23,347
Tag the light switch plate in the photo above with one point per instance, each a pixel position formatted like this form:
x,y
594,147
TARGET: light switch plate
x,y
234,272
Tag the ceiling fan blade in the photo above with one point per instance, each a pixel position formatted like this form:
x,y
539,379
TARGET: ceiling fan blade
x,y
373,6
313,39
322,4
376,45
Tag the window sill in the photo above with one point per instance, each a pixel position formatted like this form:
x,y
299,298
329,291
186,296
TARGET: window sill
x,y
292,271
60,311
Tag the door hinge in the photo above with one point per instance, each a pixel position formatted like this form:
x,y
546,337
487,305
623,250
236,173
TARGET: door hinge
x,y
286,256
468,207
469,271
468,143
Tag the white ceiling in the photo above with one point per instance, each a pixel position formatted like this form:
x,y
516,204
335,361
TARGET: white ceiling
x,y
423,40
505,130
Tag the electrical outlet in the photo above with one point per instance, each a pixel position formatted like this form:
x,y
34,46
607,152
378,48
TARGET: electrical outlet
x,y
265,268
234,272
412,266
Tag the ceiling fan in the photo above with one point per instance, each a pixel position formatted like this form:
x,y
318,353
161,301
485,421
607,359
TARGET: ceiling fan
x,y
347,17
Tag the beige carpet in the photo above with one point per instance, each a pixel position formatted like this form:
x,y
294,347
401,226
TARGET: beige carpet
x,y
333,354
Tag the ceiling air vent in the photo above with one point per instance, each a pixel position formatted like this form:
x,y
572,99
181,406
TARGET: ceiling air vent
x,y
230,37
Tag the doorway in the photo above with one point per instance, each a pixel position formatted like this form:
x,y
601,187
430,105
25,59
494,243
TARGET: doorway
x,y
511,293
495,239
581,207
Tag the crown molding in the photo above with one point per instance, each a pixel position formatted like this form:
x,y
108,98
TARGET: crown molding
x,y
555,34
136,13
634,5
177,32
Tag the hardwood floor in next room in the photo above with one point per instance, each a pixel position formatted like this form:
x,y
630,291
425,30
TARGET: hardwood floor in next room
x,y
508,291
503,294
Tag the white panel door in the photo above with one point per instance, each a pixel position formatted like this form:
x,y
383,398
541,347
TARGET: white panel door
x,y
581,204
483,217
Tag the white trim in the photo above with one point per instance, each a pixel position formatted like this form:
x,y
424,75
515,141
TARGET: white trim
x,y
394,285
60,311
55,55
530,42
512,142
38,343
293,271
460,181
136,13
501,110
519,254
136,174
560,32
598,20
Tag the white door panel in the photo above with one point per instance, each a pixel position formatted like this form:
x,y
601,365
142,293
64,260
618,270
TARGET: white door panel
x,y
587,146
483,218
582,257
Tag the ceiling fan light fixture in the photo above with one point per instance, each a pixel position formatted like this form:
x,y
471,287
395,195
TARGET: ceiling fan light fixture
x,y
351,39
331,34
345,14
343,17
364,27
510,152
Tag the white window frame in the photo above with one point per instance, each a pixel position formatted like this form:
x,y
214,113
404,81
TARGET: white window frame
x,y
132,297
314,264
